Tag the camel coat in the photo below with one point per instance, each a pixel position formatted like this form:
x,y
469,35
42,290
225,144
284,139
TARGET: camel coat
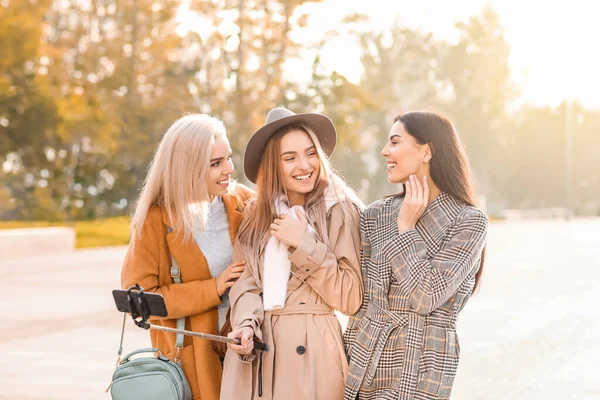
x,y
148,263
306,358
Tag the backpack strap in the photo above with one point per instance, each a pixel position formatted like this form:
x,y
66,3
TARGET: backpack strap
x,y
176,275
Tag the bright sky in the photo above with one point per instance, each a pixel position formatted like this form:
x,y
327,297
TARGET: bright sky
x,y
555,52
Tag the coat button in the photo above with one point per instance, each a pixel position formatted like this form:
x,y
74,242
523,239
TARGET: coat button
x,y
300,350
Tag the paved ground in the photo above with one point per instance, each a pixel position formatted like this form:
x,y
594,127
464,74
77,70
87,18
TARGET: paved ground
x,y
532,333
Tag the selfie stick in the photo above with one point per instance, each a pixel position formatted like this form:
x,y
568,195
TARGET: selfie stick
x,y
224,339
141,311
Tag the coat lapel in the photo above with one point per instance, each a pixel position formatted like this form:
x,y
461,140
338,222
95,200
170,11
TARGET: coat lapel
x,y
186,251
191,261
435,221
234,216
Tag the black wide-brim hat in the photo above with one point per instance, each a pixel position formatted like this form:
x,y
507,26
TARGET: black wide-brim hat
x,y
277,118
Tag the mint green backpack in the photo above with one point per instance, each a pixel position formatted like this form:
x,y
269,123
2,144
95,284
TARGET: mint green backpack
x,y
149,378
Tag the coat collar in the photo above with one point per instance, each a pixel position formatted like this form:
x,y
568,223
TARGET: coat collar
x,y
186,250
433,224
233,207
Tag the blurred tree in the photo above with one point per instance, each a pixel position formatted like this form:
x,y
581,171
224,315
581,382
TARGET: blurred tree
x,y
586,142
88,86
475,93
115,66
332,94
401,73
535,160
240,47
28,115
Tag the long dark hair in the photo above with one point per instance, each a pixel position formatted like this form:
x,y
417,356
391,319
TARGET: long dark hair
x,y
449,165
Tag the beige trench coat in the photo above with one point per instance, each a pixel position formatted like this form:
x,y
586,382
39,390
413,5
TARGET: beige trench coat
x,y
306,358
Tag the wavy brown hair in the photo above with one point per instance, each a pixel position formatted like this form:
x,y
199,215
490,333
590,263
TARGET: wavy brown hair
x,y
449,166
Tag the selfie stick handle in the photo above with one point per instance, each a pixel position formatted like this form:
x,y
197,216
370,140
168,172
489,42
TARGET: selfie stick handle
x,y
224,339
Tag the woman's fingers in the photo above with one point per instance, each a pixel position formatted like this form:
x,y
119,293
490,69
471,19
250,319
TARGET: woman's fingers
x,y
245,336
234,275
237,263
242,348
419,189
238,348
425,190
240,269
237,266
235,334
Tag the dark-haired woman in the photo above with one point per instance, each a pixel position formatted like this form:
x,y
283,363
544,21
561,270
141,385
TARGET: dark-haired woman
x,y
422,257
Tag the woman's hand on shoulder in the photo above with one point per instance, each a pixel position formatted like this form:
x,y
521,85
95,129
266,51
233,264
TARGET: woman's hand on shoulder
x,y
229,276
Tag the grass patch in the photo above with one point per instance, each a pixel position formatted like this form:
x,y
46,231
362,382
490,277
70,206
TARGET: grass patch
x,y
96,233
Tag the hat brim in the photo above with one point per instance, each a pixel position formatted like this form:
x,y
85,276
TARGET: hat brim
x,y
320,124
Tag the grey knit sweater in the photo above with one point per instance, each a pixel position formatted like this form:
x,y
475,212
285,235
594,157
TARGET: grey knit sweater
x,y
215,244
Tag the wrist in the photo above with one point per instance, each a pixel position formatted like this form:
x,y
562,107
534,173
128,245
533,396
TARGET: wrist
x,y
296,241
220,289
405,227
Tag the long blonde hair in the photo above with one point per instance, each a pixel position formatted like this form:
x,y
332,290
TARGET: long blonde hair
x,y
178,173
254,230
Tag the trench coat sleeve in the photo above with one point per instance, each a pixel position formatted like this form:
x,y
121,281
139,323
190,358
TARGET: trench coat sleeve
x,y
245,299
141,266
333,272
354,320
433,281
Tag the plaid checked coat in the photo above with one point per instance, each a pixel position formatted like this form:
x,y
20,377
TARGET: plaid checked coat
x,y
402,343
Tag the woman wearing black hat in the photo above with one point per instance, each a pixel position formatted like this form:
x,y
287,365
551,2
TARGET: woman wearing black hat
x,y
301,240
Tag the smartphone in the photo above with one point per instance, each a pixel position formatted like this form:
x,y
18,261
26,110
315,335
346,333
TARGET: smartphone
x,y
155,303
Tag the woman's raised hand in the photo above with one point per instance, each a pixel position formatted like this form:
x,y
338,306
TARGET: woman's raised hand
x,y
414,204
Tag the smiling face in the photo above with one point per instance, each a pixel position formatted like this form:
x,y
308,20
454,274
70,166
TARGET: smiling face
x,y
299,164
220,168
404,155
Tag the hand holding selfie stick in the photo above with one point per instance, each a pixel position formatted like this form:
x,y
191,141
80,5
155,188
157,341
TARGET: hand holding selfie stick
x,y
143,305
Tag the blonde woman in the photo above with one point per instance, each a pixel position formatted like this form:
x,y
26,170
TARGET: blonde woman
x,y
301,240
189,209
